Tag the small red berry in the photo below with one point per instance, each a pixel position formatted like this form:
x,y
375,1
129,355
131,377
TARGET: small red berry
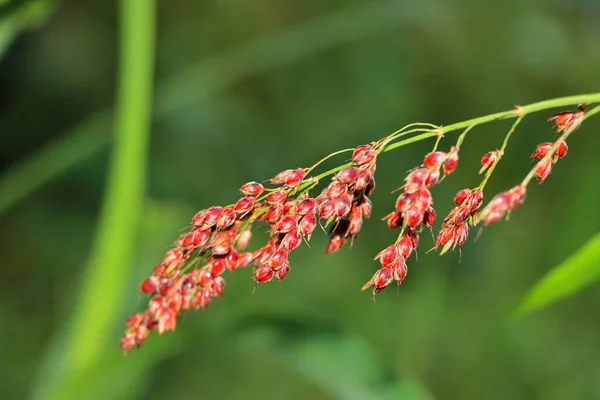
x,y
264,273
335,243
434,158
217,266
488,160
294,178
149,285
277,196
252,189
347,175
244,205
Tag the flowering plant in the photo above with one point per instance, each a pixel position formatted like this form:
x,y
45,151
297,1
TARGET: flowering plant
x,y
190,275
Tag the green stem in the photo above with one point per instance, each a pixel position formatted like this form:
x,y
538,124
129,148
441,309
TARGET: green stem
x,y
520,111
489,172
106,274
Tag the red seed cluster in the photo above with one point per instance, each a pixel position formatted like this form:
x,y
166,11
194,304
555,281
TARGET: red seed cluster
x,y
502,204
568,120
455,227
544,167
216,238
414,209
345,200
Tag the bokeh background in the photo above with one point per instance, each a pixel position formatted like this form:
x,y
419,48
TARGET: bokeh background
x,y
244,89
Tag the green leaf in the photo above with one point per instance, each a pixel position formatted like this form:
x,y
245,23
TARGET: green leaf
x,y
574,274
343,365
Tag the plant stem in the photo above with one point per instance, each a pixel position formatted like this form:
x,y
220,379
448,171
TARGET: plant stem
x,y
519,111
489,172
106,274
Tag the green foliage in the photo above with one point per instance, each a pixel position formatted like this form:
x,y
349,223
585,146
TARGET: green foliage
x,y
577,272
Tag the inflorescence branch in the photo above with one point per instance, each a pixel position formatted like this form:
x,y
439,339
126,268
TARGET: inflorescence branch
x,y
190,275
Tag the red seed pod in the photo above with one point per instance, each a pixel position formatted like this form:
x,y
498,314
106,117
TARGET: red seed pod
x,y
405,246
293,239
452,161
218,286
370,186
404,202
282,272
202,299
413,216
217,266
308,224
363,155
365,207
286,224
212,215
394,220
388,256
244,206
281,177
172,259
355,224
274,213
492,217
134,321
149,285
399,271
561,150
474,201
364,177
279,258
245,259
461,196
423,200
335,190
460,214
434,158
306,206
226,219
327,209
429,217
432,178
288,205
541,150
265,254
220,243
243,239
206,277
231,260
347,175
198,219
343,205
461,232
382,278
517,195
488,160
166,320
264,273
542,170
156,304
414,236
445,236
335,243
295,177
252,189
567,120
417,176
277,196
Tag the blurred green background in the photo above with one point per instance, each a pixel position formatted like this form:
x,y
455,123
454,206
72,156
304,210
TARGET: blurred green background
x,y
243,90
